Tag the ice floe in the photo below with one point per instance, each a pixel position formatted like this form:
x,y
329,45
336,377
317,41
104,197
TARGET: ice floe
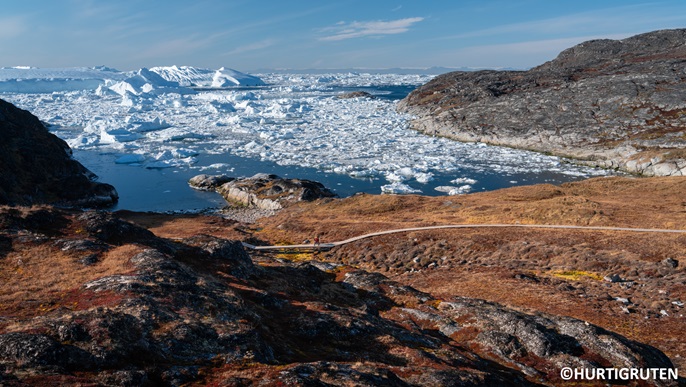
x,y
130,159
399,188
464,180
451,190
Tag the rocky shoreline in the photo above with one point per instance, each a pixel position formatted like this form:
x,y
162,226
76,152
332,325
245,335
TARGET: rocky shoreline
x,y
606,103
244,214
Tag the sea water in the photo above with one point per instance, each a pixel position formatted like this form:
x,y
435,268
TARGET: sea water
x,y
167,189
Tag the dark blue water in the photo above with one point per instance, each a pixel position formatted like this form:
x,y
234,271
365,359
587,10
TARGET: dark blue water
x,y
163,190
389,92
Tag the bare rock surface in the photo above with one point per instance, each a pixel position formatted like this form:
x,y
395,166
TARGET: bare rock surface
x,y
36,166
356,94
617,104
262,191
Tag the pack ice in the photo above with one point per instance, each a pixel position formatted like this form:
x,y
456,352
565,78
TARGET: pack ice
x,y
164,117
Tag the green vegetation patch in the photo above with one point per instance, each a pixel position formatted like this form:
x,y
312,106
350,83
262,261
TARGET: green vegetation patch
x,y
576,275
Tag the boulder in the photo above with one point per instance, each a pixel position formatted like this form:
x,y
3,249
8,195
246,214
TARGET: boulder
x,y
208,182
613,278
107,228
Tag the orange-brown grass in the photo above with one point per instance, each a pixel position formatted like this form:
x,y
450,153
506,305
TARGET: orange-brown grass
x,y
617,201
38,280
183,226
493,254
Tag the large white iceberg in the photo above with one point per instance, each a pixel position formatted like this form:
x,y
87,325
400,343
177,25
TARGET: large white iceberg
x,y
145,81
198,77
228,77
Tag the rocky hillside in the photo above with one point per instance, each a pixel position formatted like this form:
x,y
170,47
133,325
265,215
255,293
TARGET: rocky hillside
x,y
88,298
612,103
37,167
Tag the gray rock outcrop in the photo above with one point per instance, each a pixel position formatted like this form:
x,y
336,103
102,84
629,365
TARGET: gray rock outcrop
x,y
617,104
356,94
36,166
262,191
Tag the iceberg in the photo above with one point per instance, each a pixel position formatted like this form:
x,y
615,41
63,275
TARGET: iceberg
x,y
227,77
424,178
113,136
145,81
184,75
149,126
83,141
198,77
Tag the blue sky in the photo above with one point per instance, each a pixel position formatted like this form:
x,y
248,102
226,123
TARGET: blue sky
x,y
253,34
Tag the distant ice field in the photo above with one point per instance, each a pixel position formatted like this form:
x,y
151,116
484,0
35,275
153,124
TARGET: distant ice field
x,y
147,132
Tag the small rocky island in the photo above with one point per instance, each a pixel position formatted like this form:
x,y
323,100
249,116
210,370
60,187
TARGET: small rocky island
x,y
262,191
616,104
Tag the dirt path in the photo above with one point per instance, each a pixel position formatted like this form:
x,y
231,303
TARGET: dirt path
x,y
328,246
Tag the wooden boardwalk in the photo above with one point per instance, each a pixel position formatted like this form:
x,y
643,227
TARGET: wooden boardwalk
x,y
329,246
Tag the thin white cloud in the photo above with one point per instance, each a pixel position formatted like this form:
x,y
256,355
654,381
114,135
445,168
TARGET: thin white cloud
x,y
343,30
89,9
252,47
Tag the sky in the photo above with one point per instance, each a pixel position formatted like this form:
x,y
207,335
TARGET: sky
x,y
303,34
